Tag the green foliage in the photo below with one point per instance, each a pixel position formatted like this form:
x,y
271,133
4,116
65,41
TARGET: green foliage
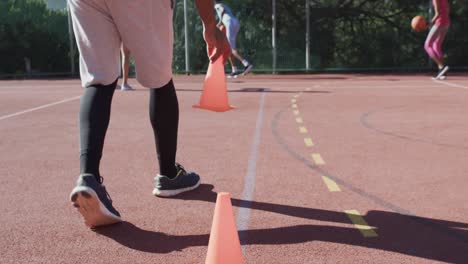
x,y
29,31
343,34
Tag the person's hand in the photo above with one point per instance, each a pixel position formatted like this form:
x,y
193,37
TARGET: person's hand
x,y
216,43
436,16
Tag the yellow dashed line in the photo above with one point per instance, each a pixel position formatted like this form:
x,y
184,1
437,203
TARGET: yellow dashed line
x,y
296,112
299,120
331,184
308,142
303,130
360,223
318,159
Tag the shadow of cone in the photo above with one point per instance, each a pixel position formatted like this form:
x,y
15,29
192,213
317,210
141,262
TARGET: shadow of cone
x,y
224,246
214,96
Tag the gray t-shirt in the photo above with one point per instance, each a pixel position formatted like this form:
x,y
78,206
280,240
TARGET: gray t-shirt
x,y
228,16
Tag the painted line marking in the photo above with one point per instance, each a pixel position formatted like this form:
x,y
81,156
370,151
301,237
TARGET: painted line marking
x,y
293,101
294,106
296,96
296,112
451,84
331,184
249,183
318,160
39,108
308,142
303,130
361,224
299,120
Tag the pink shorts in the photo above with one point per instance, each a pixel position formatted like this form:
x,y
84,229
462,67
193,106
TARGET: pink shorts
x,y
144,26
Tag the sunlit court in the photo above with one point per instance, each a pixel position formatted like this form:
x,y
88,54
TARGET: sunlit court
x,y
301,133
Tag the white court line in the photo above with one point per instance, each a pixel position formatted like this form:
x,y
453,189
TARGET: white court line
x,y
243,216
451,84
39,107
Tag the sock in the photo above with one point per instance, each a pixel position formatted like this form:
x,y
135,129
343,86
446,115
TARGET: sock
x,y
245,63
234,69
95,110
441,67
164,116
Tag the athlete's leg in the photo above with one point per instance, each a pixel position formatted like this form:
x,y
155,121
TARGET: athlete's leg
x,y
99,45
164,116
438,41
125,64
429,45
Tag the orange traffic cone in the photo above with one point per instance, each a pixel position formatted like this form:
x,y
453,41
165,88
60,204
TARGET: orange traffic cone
x,y
214,96
224,246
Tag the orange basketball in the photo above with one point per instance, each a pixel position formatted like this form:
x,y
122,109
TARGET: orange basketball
x,y
419,23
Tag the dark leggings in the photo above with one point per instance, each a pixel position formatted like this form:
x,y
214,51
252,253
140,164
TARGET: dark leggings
x,y
95,110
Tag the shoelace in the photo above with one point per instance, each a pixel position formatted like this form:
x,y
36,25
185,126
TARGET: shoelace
x,y
101,182
180,168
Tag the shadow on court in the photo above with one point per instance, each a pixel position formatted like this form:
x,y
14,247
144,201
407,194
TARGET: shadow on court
x,y
431,239
258,90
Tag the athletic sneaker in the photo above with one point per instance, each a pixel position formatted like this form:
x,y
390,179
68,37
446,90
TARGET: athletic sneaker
x,y
126,87
183,182
247,69
233,75
93,202
441,73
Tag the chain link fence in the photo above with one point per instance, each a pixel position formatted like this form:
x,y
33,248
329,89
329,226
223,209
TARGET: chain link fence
x,y
276,35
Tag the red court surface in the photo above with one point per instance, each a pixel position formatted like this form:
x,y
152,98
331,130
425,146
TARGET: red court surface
x,y
304,157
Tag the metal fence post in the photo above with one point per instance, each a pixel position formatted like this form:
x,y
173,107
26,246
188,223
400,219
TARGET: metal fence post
x,y
187,52
307,53
273,34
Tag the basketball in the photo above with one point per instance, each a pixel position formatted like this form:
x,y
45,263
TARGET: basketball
x,y
419,23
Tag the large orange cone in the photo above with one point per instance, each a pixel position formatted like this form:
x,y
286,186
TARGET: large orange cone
x,y
224,246
214,96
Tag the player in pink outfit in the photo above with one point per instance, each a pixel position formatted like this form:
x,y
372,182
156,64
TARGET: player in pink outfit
x,y
435,38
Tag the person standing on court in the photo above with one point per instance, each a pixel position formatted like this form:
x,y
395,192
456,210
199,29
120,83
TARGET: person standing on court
x,y
440,26
146,28
125,69
232,26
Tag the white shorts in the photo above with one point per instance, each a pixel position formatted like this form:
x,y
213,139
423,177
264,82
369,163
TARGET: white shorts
x,y
144,26
232,28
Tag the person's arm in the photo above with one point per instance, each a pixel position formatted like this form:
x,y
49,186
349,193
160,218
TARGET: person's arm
x,y
220,9
216,41
436,11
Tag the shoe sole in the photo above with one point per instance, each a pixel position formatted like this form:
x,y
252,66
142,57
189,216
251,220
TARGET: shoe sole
x,y
247,70
442,73
94,212
171,193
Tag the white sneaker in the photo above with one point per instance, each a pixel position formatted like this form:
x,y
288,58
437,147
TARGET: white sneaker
x,y
126,87
233,75
247,69
441,74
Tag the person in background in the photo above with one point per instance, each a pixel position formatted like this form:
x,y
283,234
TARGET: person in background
x,y
232,25
125,69
440,26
